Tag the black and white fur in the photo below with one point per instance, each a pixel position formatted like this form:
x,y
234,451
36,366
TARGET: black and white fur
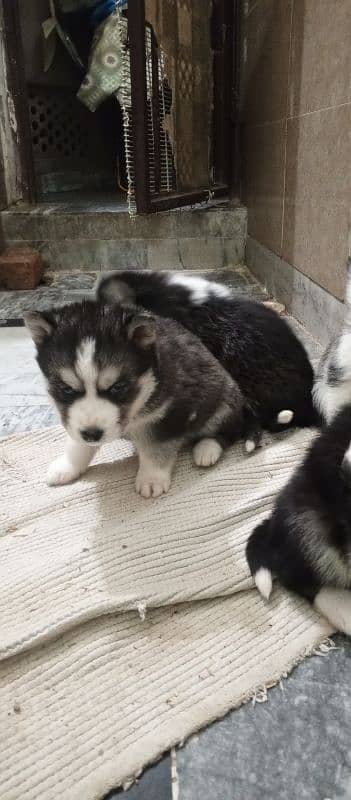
x,y
116,372
255,345
306,543
332,388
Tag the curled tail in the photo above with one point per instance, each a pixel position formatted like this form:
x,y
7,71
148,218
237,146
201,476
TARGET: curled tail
x,y
119,287
155,291
166,293
258,555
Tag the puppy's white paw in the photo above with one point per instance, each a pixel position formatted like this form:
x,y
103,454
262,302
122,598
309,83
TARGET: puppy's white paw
x,y
207,452
152,484
250,446
61,471
284,417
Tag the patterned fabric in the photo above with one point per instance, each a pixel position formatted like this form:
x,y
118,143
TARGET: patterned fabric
x,y
109,64
106,73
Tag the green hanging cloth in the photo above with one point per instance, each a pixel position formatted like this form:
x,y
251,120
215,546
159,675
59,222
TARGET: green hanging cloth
x,y
107,74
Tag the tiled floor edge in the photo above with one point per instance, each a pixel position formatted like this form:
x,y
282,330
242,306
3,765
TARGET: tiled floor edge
x,y
309,303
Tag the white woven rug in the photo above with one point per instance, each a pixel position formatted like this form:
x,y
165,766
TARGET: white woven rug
x,y
126,624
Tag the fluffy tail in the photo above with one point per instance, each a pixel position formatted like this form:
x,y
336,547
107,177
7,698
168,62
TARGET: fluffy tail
x,y
151,290
166,293
258,558
118,287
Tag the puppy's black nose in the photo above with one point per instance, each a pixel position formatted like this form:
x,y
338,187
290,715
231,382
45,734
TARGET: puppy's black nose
x,y
91,434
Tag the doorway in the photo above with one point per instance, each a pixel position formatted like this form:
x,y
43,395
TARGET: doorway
x,y
164,137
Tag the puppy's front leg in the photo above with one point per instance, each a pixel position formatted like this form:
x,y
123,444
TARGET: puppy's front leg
x,y
156,462
71,464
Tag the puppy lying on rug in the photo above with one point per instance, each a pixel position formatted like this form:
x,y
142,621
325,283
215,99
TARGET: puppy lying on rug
x,y
116,373
255,345
306,543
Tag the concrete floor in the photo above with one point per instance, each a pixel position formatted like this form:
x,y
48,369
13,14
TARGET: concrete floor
x,y
294,746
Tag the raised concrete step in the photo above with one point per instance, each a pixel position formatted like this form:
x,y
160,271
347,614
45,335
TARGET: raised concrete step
x,y
78,237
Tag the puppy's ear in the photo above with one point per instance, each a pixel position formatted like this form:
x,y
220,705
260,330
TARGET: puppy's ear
x,y
114,290
40,326
141,329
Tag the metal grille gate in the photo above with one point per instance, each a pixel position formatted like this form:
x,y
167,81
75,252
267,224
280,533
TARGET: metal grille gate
x,y
184,117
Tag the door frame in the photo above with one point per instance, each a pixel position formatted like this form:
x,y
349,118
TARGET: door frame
x,y
17,96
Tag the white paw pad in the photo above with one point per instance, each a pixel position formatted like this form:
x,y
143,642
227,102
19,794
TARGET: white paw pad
x,y
250,445
263,581
284,417
207,452
152,484
60,472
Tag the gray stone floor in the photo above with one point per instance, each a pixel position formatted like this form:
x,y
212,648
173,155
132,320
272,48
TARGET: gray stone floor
x,y
294,746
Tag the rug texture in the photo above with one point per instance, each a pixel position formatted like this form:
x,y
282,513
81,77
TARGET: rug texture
x,y
127,624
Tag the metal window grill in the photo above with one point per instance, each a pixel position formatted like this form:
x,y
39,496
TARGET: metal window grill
x,y
181,154
159,147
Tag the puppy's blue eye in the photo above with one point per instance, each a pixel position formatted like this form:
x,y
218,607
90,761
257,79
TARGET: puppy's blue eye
x,y
119,391
68,392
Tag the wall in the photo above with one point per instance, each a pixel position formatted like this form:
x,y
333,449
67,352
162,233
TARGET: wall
x,y
296,106
3,196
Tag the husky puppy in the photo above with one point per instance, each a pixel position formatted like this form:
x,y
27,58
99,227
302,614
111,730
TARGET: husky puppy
x,y
252,342
332,388
306,543
116,372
